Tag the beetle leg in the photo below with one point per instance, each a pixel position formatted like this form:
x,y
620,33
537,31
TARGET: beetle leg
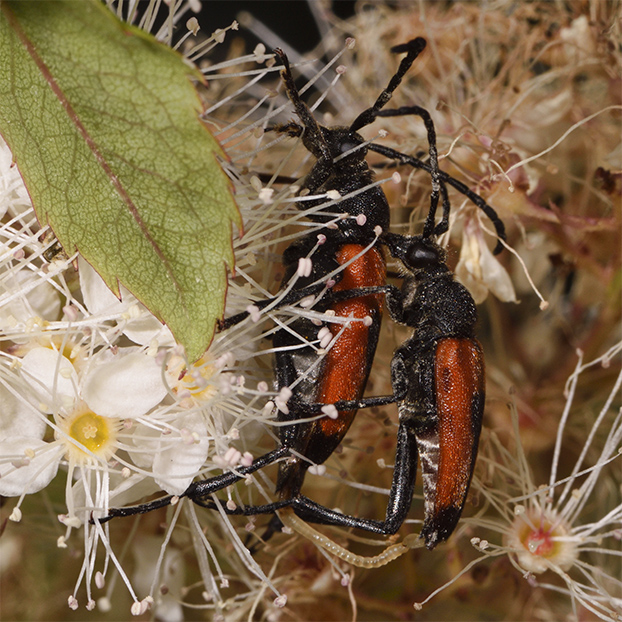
x,y
413,49
400,496
198,490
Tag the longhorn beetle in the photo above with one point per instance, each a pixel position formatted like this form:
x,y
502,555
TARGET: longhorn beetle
x,y
340,378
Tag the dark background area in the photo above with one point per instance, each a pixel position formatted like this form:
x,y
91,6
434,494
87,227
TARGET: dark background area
x,y
290,19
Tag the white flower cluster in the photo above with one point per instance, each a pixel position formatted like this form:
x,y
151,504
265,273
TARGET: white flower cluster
x,y
96,385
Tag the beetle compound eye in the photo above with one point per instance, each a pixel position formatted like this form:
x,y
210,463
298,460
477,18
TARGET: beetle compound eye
x,y
421,256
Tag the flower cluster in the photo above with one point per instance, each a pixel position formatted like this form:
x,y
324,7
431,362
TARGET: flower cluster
x,y
94,390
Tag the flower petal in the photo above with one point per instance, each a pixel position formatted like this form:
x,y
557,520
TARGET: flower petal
x,y
97,295
175,467
28,296
144,329
99,299
479,270
18,418
50,374
125,387
26,474
146,439
496,276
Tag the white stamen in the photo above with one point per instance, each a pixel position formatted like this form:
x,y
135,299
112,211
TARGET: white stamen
x,y
254,313
193,25
70,521
71,313
282,399
104,604
305,265
317,469
325,337
265,195
307,302
330,411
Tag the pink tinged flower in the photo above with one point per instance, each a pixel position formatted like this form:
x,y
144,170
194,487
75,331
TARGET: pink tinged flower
x,y
542,540
479,270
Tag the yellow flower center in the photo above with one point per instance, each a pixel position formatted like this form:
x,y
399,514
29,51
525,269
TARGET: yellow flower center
x,y
96,435
193,384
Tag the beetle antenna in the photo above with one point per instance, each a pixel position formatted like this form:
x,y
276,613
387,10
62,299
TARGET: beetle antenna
x,y
312,127
413,49
445,178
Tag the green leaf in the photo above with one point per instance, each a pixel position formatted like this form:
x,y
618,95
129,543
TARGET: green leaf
x,y
103,124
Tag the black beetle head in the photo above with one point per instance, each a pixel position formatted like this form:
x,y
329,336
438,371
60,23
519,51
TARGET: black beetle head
x,y
415,252
340,140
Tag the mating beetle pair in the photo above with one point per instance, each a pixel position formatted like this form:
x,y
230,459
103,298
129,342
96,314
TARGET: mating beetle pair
x,y
437,375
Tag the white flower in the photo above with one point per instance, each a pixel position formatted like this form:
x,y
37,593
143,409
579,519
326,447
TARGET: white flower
x,y
87,426
479,270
